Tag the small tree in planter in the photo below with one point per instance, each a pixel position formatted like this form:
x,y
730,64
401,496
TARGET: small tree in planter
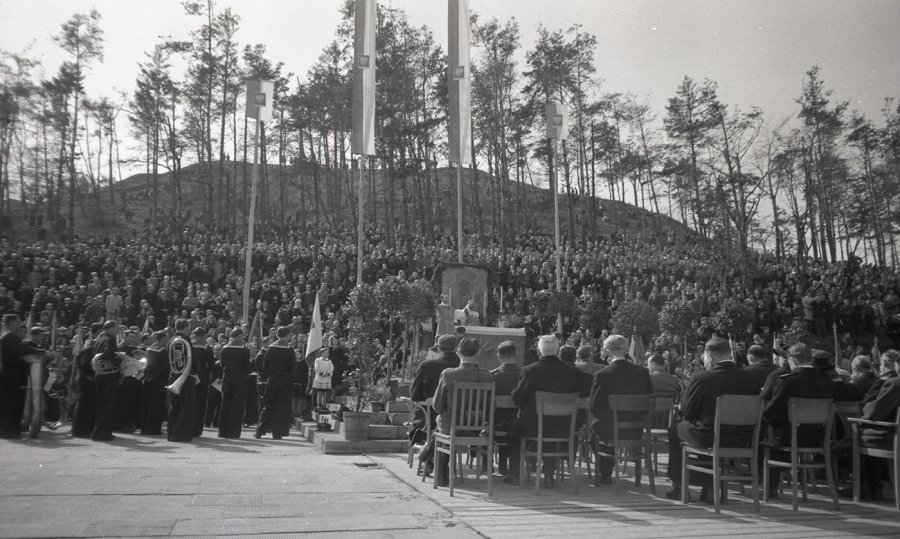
x,y
594,313
392,294
636,319
796,333
542,306
676,318
362,315
733,318
420,308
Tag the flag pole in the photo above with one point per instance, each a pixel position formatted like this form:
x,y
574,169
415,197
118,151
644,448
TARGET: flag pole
x,y
555,178
248,262
459,211
359,231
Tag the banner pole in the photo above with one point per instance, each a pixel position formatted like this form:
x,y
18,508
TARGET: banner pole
x,y
555,180
359,227
248,259
459,212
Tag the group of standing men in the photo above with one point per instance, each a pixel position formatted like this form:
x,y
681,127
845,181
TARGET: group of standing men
x,y
174,385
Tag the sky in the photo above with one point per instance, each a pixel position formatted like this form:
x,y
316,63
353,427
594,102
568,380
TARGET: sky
x,y
758,51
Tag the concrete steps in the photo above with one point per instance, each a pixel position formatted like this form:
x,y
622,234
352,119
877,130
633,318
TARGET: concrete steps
x,y
333,443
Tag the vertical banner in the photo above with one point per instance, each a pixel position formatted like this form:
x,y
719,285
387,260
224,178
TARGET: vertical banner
x,y
362,138
459,81
260,95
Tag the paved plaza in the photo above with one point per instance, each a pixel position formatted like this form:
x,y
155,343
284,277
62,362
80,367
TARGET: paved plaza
x,y
57,486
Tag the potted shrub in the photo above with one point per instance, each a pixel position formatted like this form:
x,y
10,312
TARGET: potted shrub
x,y
392,294
676,318
362,314
637,320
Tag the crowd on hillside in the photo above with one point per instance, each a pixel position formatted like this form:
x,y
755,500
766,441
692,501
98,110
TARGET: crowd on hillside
x,y
166,272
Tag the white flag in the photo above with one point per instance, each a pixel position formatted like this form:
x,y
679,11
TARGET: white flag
x,y
314,339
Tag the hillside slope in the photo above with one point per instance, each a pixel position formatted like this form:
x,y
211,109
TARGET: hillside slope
x,y
97,215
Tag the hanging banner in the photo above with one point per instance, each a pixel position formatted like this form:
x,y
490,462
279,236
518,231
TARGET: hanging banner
x,y
557,116
362,138
459,81
260,95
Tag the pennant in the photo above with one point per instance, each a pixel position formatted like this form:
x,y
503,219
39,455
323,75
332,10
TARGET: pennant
x,y
459,75
362,138
146,328
314,339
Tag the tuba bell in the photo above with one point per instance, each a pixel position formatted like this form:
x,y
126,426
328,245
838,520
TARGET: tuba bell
x,y
179,362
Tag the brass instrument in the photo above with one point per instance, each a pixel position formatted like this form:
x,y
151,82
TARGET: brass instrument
x,y
179,362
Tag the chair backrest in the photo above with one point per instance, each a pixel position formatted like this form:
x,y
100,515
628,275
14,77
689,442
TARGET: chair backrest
x,y
738,411
664,411
631,403
810,411
503,402
472,406
550,404
847,408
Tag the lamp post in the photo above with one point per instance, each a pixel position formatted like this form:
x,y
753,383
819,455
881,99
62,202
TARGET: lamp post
x,y
557,129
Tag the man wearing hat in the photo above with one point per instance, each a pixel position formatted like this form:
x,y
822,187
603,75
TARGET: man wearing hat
x,y
106,363
425,383
843,390
551,375
697,427
86,407
276,364
202,359
804,381
468,371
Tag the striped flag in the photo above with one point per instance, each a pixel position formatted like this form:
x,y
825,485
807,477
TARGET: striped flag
x,y
459,81
314,339
362,139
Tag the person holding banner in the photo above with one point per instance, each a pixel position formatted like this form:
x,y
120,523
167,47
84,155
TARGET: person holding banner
x,y
277,365
13,377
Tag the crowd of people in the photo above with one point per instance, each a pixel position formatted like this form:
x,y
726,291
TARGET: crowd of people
x,y
165,273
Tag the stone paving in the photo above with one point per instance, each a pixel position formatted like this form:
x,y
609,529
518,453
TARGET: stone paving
x,y
57,486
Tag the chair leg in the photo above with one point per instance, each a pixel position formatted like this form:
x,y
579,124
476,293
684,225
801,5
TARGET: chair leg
x,y
523,477
765,475
896,477
453,455
539,467
795,476
804,481
650,471
754,481
490,474
684,476
856,471
717,484
829,476
572,467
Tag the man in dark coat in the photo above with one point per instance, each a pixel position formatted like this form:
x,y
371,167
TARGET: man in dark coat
x,y
277,366
106,362
506,378
883,408
804,381
697,427
425,383
156,376
863,376
13,377
203,359
621,377
888,370
761,365
180,425
548,374
86,407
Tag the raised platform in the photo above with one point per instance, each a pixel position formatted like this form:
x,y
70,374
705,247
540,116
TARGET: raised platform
x,y
383,437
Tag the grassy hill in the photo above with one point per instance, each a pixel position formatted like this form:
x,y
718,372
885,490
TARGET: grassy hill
x,y
96,214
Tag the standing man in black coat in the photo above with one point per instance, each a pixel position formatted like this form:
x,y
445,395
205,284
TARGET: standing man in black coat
x,y
551,375
180,425
202,357
156,376
804,381
722,377
106,364
13,377
86,407
506,378
621,377
277,366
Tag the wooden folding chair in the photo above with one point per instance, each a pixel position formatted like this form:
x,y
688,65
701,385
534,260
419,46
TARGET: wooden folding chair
x,y
892,456
471,425
619,404
804,412
731,411
551,405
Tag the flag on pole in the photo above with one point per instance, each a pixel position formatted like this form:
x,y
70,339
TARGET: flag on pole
x,y
636,350
29,322
362,138
459,81
314,341
146,328
256,328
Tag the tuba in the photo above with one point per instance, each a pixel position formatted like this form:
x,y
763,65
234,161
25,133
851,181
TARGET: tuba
x,y
179,362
